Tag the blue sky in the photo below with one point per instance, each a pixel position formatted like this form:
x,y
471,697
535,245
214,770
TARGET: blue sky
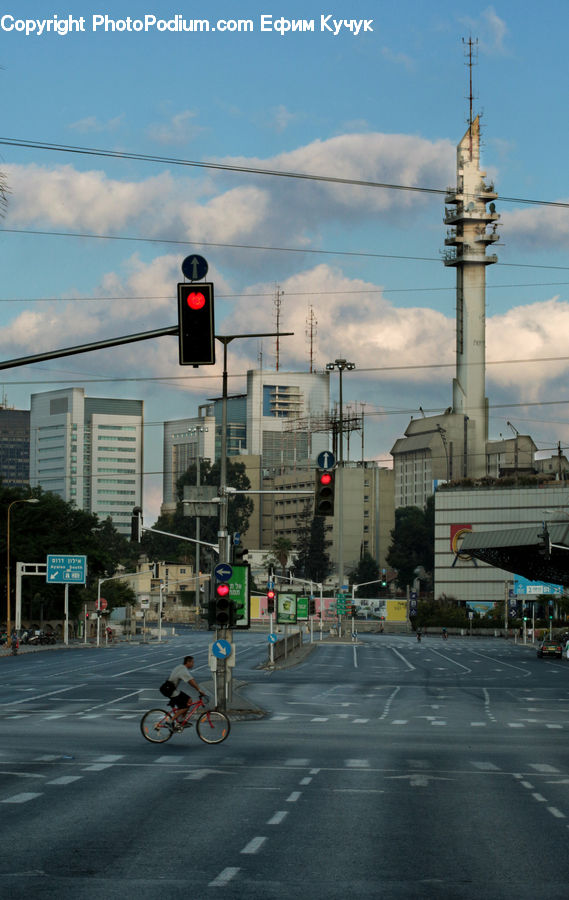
x,y
386,105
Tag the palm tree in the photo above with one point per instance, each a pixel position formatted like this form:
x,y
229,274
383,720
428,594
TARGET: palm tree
x,y
281,548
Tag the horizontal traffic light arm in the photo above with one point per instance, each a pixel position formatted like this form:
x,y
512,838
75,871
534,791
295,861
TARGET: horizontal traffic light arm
x,y
182,537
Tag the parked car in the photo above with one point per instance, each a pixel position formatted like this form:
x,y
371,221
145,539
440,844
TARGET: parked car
x,y
550,648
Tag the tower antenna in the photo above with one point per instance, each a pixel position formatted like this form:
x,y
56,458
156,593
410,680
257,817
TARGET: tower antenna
x,y
278,303
311,323
470,44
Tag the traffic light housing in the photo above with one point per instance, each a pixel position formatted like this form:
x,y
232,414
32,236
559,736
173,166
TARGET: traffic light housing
x,y
239,554
353,610
383,578
221,610
544,542
270,600
196,329
136,525
550,609
324,494
311,607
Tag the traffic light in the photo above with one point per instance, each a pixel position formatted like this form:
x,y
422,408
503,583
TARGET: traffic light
x,y
270,600
222,611
383,578
86,615
550,608
311,607
136,525
544,542
238,555
324,494
196,331
353,610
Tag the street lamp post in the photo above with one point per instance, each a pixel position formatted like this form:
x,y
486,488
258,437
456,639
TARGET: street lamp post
x,y
341,365
10,505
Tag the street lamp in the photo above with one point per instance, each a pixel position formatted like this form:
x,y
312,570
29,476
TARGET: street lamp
x,y
342,365
10,505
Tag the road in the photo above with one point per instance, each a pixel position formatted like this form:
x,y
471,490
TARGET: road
x,y
386,769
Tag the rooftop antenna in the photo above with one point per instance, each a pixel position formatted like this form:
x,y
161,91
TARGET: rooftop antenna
x,y
470,44
311,323
278,302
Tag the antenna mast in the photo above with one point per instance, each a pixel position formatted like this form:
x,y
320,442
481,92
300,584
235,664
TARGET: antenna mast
x,y
311,323
278,303
470,63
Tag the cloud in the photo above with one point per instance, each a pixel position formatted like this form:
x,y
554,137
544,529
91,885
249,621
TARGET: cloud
x,y
179,129
537,226
492,30
90,124
400,59
281,118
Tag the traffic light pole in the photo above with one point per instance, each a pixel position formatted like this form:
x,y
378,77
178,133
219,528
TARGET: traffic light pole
x,y
223,671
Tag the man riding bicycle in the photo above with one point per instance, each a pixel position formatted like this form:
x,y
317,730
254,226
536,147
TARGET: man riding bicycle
x,y
180,701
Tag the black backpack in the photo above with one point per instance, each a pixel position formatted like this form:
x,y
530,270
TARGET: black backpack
x,y
167,689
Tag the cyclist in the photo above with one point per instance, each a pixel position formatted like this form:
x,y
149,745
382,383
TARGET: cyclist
x,y
180,701
445,635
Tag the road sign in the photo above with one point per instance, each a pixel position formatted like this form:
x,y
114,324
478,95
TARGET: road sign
x,y
326,460
223,571
221,649
412,612
272,638
101,603
195,267
66,569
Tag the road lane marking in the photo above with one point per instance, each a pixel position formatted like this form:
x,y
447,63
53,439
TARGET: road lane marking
x,y
292,798
388,703
278,817
450,659
254,845
65,779
485,766
41,696
297,762
21,798
224,877
406,661
357,763
544,768
555,812
305,780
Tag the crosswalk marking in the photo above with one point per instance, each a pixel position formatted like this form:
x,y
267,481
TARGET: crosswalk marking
x,y
21,798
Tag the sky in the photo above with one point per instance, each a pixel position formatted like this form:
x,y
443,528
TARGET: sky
x,y
91,245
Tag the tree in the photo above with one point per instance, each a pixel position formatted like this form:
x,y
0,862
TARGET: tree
x,y
239,509
413,542
367,570
281,549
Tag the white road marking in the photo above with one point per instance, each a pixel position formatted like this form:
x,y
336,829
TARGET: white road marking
x,y
400,655
360,721
357,763
254,845
41,696
65,779
545,768
278,817
297,762
400,722
21,798
292,798
555,812
224,876
485,766
305,780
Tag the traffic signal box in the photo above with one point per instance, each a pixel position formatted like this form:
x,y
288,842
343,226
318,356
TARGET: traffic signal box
x,y
324,494
196,329
136,525
221,610
270,601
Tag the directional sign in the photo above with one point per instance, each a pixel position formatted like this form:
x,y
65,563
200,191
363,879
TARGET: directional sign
x,y
326,460
66,569
272,638
221,649
223,571
195,267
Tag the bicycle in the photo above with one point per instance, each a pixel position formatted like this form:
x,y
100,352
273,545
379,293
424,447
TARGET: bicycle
x,y
212,726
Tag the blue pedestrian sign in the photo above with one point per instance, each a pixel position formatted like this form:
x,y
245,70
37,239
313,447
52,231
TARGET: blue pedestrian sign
x,y
326,460
66,569
223,571
221,649
272,638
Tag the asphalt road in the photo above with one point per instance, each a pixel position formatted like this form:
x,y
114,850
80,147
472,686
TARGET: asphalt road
x,y
386,769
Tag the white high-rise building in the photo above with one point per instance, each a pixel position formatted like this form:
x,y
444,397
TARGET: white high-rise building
x,y
89,451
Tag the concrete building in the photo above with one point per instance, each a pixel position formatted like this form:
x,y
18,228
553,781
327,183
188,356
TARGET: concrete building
x,y
461,510
14,447
89,451
185,442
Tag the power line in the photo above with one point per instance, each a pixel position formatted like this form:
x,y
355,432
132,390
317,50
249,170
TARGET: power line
x,y
251,170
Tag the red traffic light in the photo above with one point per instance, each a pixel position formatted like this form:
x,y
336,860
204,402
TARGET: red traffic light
x,y
325,478
222,590
195,300
270,595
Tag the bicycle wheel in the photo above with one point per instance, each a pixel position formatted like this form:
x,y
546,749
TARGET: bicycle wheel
x,y
155,726
213,726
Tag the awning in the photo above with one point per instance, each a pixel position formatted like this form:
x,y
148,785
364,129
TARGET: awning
x,y
517,550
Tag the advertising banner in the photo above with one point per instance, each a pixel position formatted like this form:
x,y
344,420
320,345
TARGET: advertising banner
x,y
286,609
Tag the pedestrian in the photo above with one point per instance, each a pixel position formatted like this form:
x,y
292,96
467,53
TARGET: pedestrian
x,y
14,643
